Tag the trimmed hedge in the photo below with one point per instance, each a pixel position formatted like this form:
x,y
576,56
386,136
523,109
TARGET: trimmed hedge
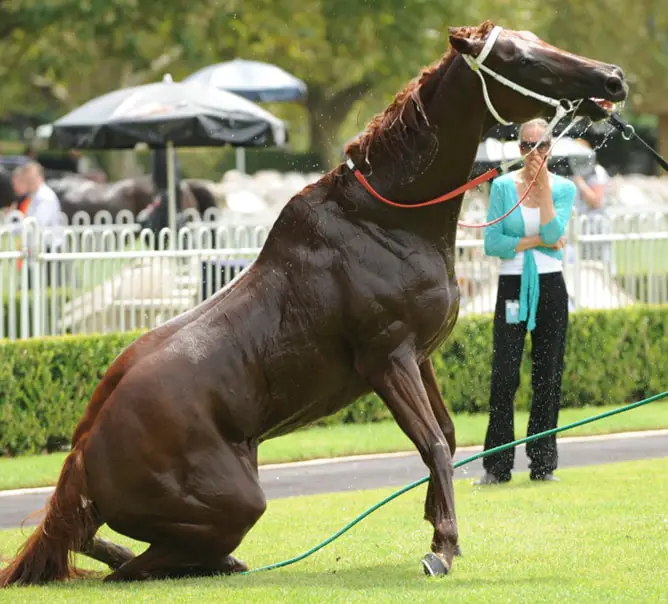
x,y
45,384
612,357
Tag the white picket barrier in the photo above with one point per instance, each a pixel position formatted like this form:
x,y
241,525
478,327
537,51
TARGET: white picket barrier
x,y
108,276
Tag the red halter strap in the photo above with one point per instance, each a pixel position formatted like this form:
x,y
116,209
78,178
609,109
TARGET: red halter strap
x,y
454,193
458,191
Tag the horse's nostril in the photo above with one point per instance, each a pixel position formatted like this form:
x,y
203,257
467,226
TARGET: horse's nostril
x,y
614,85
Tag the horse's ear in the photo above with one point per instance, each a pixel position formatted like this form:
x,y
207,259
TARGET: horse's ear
x,y
465,46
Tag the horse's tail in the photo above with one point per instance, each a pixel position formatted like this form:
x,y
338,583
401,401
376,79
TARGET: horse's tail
x,y
68,523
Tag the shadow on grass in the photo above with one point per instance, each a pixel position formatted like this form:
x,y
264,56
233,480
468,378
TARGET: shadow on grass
x,y
379,576
371,578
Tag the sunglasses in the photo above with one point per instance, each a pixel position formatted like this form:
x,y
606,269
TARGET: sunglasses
x,y
527,146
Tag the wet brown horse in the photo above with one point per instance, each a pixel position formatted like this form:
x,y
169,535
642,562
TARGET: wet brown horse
x,y
348,296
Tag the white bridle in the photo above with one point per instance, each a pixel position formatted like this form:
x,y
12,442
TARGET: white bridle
x,y
477,66
562,107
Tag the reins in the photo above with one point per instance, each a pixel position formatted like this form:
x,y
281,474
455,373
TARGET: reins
x,y
562,108
629,132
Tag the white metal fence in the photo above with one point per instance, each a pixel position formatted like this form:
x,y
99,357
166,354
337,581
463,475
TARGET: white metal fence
x,y
108,276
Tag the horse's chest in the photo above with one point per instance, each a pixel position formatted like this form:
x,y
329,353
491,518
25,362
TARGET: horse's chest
x,y
416,301
433,315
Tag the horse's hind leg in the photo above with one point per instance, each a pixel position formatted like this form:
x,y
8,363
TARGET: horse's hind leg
x,y
111,554
191,550
195,536
163,562
401,387
114,556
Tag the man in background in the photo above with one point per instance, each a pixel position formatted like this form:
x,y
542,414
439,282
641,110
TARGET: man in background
x,y
42,204
592,182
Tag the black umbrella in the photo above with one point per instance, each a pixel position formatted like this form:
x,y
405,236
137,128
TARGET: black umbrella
x,y
253,80
183,114
168,114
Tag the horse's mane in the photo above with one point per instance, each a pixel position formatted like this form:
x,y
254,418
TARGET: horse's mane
x,y
406,115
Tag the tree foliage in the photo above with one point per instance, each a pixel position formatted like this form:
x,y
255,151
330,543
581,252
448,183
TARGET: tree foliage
x,y
352,54
633,35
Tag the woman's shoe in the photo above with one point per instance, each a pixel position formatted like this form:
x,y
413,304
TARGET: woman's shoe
x,y
549,477
489,478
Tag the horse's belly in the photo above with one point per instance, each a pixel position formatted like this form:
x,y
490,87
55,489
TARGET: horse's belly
x,y
310,397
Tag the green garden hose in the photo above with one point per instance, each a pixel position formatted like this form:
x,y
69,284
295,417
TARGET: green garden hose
x,y
412,485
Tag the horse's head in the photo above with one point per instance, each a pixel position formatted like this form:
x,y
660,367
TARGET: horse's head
x,y
522,59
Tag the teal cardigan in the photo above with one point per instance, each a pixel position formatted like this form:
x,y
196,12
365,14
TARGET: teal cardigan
x,y
502,238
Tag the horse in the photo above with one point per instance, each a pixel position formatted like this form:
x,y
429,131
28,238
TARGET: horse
x,y
349,295
79,194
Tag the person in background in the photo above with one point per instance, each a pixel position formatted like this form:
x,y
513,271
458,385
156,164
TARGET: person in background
x,y
593,182
532,297
42,204
22,199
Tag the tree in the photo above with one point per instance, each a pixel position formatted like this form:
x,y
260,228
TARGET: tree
x,y
63,47
353,55
342,49
60,53
632,35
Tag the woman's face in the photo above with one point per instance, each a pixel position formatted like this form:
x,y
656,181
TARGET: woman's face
x,y
529,138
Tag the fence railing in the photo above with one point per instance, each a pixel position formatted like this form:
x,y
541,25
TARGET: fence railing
x,y
110,276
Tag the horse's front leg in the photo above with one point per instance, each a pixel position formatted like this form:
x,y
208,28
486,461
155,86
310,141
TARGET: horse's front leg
x,y
438,404
400,385
444,420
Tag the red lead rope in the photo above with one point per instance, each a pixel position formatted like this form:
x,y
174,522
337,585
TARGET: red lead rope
x,y
458,191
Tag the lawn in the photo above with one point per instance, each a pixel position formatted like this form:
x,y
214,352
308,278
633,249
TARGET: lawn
x,y
359,439
600,535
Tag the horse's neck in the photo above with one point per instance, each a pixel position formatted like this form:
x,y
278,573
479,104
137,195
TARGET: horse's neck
x,y
457,113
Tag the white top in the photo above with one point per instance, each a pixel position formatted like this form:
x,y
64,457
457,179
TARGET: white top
x,y
544,263
45,209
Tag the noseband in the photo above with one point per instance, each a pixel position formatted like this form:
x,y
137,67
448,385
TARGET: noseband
x,y
562,108
477,66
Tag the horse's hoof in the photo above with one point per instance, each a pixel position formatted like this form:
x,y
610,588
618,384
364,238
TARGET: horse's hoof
x,y
433,566
234,565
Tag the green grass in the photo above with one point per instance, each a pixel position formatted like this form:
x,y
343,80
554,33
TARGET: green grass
x,y
359,439
600,535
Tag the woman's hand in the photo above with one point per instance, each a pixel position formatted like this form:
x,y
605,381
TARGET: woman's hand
x,y
538,168
561,242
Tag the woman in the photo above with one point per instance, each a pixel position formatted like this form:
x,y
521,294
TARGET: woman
x,y
531,296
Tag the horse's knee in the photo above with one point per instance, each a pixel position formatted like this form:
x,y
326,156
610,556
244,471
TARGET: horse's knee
x,y
439,452
255,507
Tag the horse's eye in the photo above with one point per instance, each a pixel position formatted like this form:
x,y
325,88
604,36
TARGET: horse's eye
x,y
526,62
